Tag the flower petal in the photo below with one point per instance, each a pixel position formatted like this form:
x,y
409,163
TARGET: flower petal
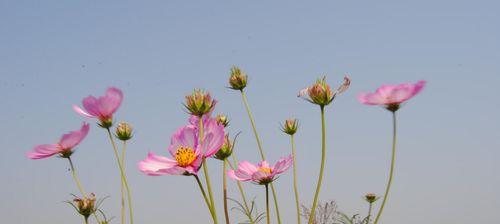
x,y
185,136
110,102
213,139
283,164
155,165
82,112
44,151
71,139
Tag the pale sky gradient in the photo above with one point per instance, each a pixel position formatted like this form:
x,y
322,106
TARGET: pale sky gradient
x,y
54,53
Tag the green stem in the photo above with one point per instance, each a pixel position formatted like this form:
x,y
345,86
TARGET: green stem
x,y
242,192
122,174
205,171
224,190
79,184
295,188
369,213
391,172
267,206
322,167
205,196
261,150
122,186
86,220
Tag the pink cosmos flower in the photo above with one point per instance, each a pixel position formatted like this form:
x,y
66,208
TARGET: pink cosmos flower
x,y
186,151
64,147
392,95
260,173
103,107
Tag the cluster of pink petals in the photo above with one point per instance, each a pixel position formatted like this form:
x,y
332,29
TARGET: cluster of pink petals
x,y
103,107
392,94
65,145
260,173
186,137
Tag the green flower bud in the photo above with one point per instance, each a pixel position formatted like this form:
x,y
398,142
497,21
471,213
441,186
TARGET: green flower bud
x,y
238,79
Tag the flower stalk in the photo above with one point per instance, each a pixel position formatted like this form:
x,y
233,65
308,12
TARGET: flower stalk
x,y
205,171
391,171
207,202
295,188
224,187
268,218
322,166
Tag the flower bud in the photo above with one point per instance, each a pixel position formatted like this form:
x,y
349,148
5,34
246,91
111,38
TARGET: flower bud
x,y
238,79
85,206
199,103
124,131
321,94
226,149
370,198
290,127
222,120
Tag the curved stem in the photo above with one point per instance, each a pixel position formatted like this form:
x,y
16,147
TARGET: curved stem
x,y
122,187
123,178
224,187
267,206
204,196
391,172
295,188
205,171
261,150
79,185
322,167
242,192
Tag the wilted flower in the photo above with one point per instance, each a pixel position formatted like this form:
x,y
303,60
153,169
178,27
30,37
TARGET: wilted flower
x,y
226,149
238,79
86,206
64,147
391,96
124,131
222,119
186,150
321,94
370,198
261,173
199,103
290,127
103,107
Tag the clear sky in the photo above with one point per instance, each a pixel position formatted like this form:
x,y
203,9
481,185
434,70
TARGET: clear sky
x,y
54,53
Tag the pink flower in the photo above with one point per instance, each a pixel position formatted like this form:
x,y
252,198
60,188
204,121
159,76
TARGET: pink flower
x,y
261,173
64,147
392,96
186,151
103,107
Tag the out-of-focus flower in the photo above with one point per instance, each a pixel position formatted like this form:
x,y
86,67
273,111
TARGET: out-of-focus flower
x,y
186,151
124,131
370,198
321,94
103,107
226,149
199,103
290,127
64,147
85,206
238,79
391,96
222,119
260,173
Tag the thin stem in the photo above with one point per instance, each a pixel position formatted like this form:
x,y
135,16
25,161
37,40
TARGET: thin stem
x,y
205,171
391,172
267,206
122,173
79,184
204,196
224,190
322,167
295,188
261,150
369,213
242,192
122,187
86,220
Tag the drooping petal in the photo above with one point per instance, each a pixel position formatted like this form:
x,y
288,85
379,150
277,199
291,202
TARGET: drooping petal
x,y
185,136
82,112
282,165
110,102
44,151
71,139
155,165
213,139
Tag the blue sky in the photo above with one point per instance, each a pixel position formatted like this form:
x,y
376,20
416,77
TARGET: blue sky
x,y
54,53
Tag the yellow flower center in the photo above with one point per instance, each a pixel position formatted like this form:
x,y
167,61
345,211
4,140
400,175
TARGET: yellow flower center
x,y
184,156
265,170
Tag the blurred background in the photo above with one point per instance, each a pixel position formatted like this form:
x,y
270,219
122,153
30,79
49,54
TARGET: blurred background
x,y
55,53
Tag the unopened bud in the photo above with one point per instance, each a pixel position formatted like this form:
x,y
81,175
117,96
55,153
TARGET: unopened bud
x,y
226,150
290,127
238,79
370,198
124,131
85,206
199,103
222,119
321,94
